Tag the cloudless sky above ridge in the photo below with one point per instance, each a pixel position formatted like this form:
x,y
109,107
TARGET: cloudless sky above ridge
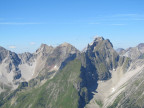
x,y
25,24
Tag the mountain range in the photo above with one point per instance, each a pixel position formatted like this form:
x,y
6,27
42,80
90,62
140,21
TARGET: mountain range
x,y
64,77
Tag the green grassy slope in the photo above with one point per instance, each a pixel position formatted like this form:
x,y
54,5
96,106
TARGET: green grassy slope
x,y
59,92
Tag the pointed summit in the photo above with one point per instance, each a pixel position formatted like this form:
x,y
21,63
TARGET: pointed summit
x,y
100,43
101,52
98,38
44,48
68,48
120,50
43,45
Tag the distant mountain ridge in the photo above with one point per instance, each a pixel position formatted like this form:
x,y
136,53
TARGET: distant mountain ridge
x,y
132,52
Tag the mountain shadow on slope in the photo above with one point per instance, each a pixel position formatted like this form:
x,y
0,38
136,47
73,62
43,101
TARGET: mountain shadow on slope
x,y
88,84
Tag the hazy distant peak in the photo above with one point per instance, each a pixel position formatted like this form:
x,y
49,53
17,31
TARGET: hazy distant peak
x,y
26,53
119,50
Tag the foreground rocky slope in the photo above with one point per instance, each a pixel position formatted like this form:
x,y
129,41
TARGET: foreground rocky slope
x,y
59,92
131,90
125,88
64,77
35,68
132,96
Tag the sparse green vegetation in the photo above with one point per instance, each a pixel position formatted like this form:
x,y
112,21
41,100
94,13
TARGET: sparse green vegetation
x,y
115,103
99,102
58,92
126,64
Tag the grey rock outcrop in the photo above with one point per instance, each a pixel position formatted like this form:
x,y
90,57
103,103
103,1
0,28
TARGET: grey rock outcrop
x,y
134,52
102,56
16,68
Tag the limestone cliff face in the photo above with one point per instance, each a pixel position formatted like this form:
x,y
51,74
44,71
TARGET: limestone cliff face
x,y
102,56
9,62
16,68
98,61
37,69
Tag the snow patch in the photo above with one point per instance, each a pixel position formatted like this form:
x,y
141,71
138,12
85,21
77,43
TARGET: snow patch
x,y
113,90
55,66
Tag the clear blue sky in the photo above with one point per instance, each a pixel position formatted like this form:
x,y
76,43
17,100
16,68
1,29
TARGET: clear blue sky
x,y
25,24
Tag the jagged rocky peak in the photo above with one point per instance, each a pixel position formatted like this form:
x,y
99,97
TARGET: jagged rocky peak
x,y
100,43
7,56
61,55
44,48
103,57
25,54
98,39
68,48
26,57
101,39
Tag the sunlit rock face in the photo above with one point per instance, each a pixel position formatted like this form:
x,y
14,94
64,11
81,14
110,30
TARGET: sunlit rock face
x,y
16,68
